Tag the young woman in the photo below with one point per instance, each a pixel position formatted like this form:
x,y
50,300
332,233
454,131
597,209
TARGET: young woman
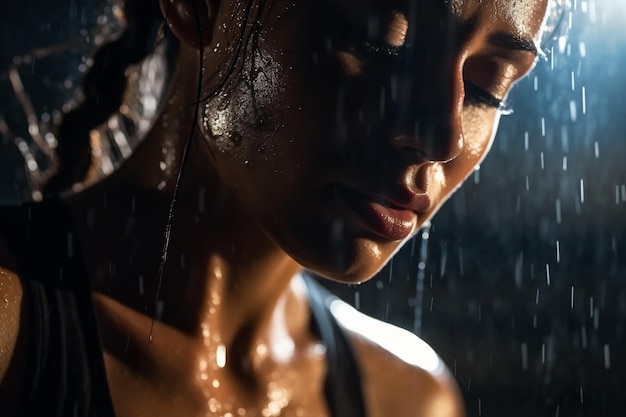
x,y
307,134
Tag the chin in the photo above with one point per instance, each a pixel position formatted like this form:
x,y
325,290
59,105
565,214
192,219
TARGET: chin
x,y
353,263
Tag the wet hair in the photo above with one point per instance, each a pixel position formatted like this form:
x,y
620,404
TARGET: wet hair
x,y
555,25
104,84
103,89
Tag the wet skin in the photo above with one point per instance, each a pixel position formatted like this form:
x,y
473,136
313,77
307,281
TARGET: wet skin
x,y
350,139
342,128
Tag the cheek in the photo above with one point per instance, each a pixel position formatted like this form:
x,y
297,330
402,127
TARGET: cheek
x,y
479,129
478,133
241,117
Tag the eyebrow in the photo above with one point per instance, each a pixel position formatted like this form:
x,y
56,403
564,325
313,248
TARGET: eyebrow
x,y
512,42
500,39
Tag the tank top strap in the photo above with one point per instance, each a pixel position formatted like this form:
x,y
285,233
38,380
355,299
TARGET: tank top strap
x,y
65,375
343,382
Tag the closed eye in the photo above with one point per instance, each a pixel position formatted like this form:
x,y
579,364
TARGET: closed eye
x,y
474,95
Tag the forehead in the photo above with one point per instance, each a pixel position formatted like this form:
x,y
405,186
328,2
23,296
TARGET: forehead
x,y
518,17
521,17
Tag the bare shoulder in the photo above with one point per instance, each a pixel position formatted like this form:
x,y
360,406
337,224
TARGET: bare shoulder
x,y
12,335
401,374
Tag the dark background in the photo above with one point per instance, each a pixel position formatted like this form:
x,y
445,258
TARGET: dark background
x,y
523,286
523,293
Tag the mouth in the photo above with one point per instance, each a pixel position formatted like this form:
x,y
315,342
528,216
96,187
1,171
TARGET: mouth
x,y
380,216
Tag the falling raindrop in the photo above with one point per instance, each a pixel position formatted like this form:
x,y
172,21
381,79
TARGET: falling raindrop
x,y
584,99
581,395
526,140
558,252
573,111
582,191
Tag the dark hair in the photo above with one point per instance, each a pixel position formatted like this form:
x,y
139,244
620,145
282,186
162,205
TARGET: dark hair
x,y
103,88
555,25
104,85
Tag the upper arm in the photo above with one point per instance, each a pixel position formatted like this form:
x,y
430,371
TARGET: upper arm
x,y
13,335
401,375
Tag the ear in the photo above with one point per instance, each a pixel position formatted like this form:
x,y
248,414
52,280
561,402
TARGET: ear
x,y
192,21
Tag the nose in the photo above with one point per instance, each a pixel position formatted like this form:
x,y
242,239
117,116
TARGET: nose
x,y
428,122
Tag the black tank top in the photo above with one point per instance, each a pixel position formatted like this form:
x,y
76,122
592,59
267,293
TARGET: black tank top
x,y
66,375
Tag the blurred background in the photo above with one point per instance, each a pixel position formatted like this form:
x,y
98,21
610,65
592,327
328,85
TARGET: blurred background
x,y
520,282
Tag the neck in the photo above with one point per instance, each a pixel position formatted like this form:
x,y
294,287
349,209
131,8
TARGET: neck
x,y
221,270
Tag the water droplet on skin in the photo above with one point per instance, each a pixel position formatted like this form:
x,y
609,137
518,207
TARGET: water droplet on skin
x,y
228,141
216,299
261,349
214,405
220,356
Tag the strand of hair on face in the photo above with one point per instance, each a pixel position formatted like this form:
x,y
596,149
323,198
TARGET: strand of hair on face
x,y
181,172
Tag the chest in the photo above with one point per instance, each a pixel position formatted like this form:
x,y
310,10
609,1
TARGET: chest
x,y
171,375
134,394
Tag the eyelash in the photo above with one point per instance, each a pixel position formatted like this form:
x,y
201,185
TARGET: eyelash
x,y
382,50
474,95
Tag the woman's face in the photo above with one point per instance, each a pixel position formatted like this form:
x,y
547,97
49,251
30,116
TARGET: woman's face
x,y
350,122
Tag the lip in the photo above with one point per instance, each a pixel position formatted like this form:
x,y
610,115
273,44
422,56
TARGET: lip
x,y
383,218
